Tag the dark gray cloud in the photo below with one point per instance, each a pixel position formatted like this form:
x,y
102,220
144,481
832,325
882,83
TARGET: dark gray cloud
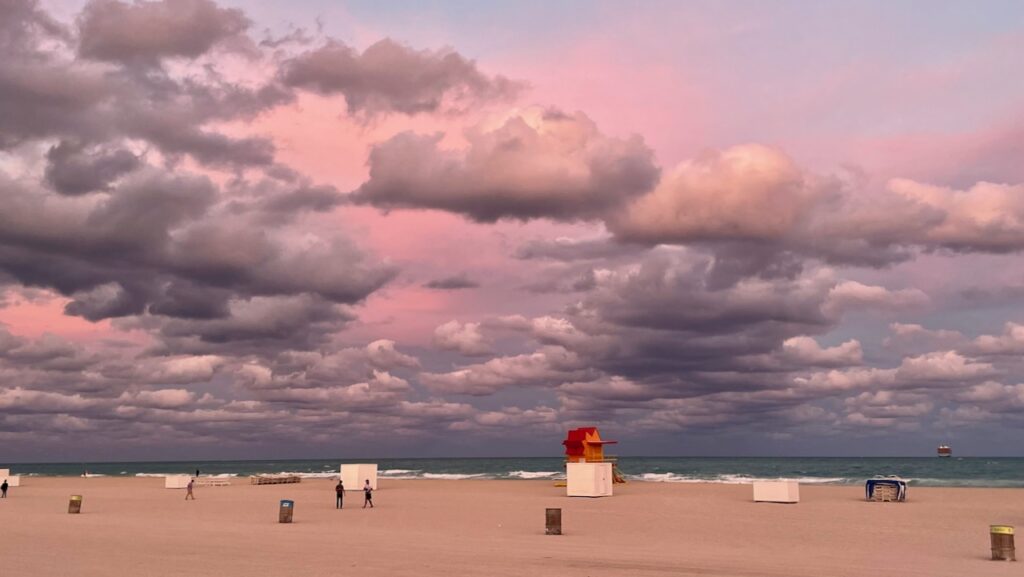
x,y
457,282
119,234
74,170
47,95
147,31
252,326
389,76
657,344
537,164
570,249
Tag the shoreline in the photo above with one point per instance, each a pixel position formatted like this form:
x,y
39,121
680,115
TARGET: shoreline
x,y
837,471
632,479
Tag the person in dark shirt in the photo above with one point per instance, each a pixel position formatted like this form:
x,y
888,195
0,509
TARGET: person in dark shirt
x,y
368,494
3,490
339,490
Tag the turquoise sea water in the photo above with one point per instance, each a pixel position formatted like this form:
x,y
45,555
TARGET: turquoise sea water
x,y
933,471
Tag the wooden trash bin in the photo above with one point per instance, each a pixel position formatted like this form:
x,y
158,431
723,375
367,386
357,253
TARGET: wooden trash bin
x,y
284,514
1002,543
552,521
75,504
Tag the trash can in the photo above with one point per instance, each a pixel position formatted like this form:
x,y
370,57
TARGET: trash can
x,y
285,512
552,521
1002,543
75,505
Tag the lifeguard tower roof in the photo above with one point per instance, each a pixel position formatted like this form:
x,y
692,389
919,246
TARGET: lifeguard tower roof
x,y
585,444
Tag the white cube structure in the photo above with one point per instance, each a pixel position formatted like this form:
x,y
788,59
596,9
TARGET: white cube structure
x,y
588,479
354,476
12,480
776,491
176,481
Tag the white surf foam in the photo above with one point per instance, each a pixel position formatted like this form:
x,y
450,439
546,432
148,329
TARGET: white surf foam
x,y
305,475
403,473
535,474
453,476
731,479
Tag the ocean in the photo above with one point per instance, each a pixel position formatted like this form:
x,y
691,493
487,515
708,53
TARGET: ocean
x,y
919,471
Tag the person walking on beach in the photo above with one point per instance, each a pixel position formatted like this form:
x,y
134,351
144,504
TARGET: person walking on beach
x,y
339,490
3,490
191,482
368,494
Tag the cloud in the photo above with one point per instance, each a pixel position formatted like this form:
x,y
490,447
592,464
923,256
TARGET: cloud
x,y
747,193
1011,342
46,95
254,325
546,418
158,399
457,282
464,338
148,31
807,352
21,400
218,290
391,77
754,197
186,370
382,390
326,367
159,243
911,335
852,295
538,164
547,367
572,249
943,367
73,170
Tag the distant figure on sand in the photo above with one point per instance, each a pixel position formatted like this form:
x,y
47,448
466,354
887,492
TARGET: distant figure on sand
x,y
197,472
3,490
189,493
339,490
368,492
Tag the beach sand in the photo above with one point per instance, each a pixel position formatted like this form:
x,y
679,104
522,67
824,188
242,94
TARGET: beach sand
x,y
135,527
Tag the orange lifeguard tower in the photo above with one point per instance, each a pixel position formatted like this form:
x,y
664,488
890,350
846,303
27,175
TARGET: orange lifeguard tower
x,y
584,445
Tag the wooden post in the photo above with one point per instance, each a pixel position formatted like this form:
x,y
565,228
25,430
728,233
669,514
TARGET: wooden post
x,y
553,521
284,514
75,505
1002,543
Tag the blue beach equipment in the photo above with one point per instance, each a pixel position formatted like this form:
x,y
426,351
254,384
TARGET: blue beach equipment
x,y
886,489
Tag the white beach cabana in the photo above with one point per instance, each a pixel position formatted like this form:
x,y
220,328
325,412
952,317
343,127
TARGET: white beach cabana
x,y
12,480
776,492
588,479
354,476
176,481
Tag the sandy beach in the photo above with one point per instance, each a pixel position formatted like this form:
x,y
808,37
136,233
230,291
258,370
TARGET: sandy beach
x,y
133,526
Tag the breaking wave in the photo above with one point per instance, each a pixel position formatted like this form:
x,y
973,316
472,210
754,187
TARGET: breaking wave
x,y
454,476
536,474
732,479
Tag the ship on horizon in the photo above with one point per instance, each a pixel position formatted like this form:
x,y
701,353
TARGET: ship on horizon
x,y
945,451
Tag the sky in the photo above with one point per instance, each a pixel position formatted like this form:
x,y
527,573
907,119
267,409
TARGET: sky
x,y
364,229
